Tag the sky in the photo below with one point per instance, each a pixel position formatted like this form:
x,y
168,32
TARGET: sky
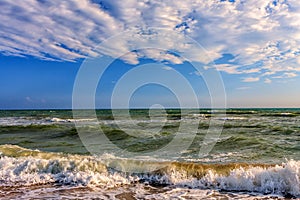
x,y
250,49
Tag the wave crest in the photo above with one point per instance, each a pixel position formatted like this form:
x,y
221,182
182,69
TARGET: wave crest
x,y
23,166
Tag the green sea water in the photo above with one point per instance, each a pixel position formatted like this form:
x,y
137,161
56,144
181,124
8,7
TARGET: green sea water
x,y
255,154
252,135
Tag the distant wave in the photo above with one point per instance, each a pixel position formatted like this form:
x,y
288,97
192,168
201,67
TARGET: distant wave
x,y
29,167
26,121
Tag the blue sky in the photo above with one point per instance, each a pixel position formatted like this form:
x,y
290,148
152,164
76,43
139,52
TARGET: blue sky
x,y
254,45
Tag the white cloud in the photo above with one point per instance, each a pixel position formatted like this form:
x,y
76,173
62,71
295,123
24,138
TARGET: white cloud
x,y
228,68
243,88
160,55
251,79
267,80
254,31
249,71
290,74
286,75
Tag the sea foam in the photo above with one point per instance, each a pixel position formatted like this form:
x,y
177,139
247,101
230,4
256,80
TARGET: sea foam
x,y
27,167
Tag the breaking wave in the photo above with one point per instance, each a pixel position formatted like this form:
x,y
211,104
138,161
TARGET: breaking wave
x,y
32,167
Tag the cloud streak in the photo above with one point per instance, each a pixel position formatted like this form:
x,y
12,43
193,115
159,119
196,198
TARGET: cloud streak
x,y
251,79
263,36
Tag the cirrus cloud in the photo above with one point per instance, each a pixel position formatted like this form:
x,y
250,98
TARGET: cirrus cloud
x,y
263,36
251,79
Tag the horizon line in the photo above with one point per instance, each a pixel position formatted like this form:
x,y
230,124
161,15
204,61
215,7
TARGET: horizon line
x,y
143,108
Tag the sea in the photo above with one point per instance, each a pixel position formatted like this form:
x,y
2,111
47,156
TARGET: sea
x,y
150,154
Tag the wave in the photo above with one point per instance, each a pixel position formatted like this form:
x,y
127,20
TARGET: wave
x,y
29,167
28,121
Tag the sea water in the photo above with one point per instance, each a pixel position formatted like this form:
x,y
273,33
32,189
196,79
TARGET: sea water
x,y
256,154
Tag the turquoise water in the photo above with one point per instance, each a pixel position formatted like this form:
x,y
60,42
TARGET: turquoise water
x,y
248,143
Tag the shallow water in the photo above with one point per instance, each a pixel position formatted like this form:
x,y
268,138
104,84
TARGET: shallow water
x,y
256,155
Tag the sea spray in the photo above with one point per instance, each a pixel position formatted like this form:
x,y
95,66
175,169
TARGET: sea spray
x,y
28,167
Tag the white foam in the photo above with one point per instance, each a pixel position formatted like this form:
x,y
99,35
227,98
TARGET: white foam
x,y
26,121
30,171
282,179
232,118
15,121
286,113
89,171
217,158
55,119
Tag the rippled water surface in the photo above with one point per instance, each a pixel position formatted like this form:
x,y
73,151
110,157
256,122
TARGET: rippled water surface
x,y
256,154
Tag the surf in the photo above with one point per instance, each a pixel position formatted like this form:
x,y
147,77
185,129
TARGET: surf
x,y
21,166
